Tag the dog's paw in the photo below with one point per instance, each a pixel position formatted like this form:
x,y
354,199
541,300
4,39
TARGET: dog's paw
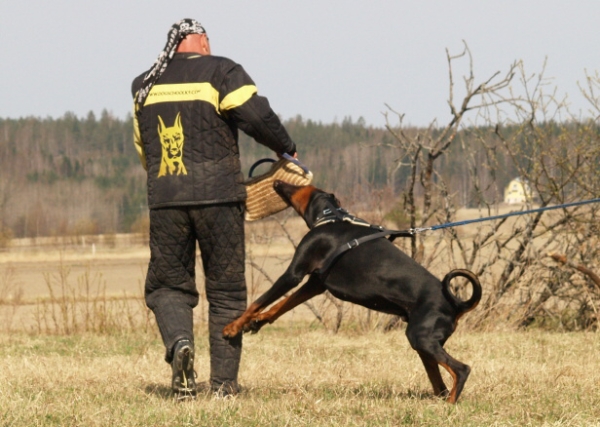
x,y
256,324
231,330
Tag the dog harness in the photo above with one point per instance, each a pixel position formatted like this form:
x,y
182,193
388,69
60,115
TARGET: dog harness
x,y
338,214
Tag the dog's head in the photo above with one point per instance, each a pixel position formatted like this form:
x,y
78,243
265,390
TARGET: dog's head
x,y
307,200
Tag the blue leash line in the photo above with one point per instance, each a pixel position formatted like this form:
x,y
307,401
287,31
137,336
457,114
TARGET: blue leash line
x,y
393,234
491,218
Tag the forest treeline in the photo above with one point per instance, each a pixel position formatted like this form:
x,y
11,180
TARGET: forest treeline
x,y
81,176
73,175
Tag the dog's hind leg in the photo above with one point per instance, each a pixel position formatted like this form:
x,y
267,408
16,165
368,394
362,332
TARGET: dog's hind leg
x,y
459,372
311,288
433,372
428,343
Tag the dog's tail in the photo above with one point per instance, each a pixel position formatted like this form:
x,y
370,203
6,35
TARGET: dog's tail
x,y
471,303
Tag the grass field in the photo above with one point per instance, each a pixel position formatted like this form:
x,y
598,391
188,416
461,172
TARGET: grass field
x,y
299,375
79,348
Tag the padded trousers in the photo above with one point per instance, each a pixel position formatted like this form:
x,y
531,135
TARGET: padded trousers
x,y
171,291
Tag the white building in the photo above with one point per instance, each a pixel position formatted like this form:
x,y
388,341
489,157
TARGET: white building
x,y
518,192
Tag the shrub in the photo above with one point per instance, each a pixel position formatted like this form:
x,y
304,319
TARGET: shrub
x,y
6,236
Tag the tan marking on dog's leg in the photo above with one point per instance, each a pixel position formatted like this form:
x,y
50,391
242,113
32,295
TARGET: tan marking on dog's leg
x,y
453,395
237,326
433,372
310,289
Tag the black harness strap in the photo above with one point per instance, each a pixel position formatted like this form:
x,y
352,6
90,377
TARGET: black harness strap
x,y
354,243
334,213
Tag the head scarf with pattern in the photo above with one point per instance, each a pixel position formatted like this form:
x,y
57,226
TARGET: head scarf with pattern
x,y
177,32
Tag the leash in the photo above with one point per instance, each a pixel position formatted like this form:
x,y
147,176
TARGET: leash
x,y
392,234
506,215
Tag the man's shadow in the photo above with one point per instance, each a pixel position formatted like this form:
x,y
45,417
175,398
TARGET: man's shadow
x,y
159,390
164,391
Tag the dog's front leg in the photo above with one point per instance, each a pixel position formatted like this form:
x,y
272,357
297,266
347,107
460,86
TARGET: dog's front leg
x,y
288,281
307,258
313,287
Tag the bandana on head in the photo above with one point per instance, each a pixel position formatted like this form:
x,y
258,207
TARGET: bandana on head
x,y
178,31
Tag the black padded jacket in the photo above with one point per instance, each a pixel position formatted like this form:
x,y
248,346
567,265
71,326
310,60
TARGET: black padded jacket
x,y
187,131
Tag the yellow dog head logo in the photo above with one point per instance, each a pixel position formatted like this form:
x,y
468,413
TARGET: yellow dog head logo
x,y
171,140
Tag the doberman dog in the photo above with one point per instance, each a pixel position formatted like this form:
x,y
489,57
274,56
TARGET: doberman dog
x,y
374,274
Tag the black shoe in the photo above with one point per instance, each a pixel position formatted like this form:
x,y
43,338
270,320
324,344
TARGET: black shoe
x,y
184,377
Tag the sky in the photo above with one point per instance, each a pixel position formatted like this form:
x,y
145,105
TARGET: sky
x,y
325,60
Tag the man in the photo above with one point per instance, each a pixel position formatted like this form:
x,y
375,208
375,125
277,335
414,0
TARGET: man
x,y
188,109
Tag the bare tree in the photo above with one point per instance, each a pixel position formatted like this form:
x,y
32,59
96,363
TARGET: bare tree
x,y
591,92
421,150
518,124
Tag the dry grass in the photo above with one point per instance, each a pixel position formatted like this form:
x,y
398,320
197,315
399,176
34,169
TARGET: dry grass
x,y
78,348
297,376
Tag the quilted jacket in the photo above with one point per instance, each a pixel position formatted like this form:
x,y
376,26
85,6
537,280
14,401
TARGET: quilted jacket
x,y
186,133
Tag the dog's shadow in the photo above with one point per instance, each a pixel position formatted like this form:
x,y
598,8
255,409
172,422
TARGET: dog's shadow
x,y
163,391
386,393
